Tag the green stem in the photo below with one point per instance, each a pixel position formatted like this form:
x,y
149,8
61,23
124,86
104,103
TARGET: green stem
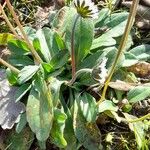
x,y
78,73
73,61
3,62
140,119
124,39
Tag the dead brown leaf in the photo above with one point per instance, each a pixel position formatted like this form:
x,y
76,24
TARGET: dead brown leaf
x,y
122,86
141,69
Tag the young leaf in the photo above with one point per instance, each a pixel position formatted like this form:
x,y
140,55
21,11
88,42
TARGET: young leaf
x,y
27,73
40,110
88,134
57,130
138,93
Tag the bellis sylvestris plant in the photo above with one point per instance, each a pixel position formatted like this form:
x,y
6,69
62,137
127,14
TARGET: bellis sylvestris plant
x,y
39,95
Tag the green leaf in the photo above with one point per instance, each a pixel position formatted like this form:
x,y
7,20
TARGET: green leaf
x,y
138,129
88,107
103,14
112,51
138,93
11,76
22,122
5,38
85,79
115,19
83,37
31,32
107,105
51,71
117,30
60,59
47,67
103,40
69,131
142,52
57,43
107,39
18,47
43,36
21,91
94,59
27,73
129,60
88,134
17,60
50,43
57,130
88,61
40,109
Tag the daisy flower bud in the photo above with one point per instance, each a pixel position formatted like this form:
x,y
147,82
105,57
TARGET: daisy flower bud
x,y
100,72
86,8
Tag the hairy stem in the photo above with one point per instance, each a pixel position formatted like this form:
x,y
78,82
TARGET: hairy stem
x,y
33,51
8,22
124,39
73,61
6,64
